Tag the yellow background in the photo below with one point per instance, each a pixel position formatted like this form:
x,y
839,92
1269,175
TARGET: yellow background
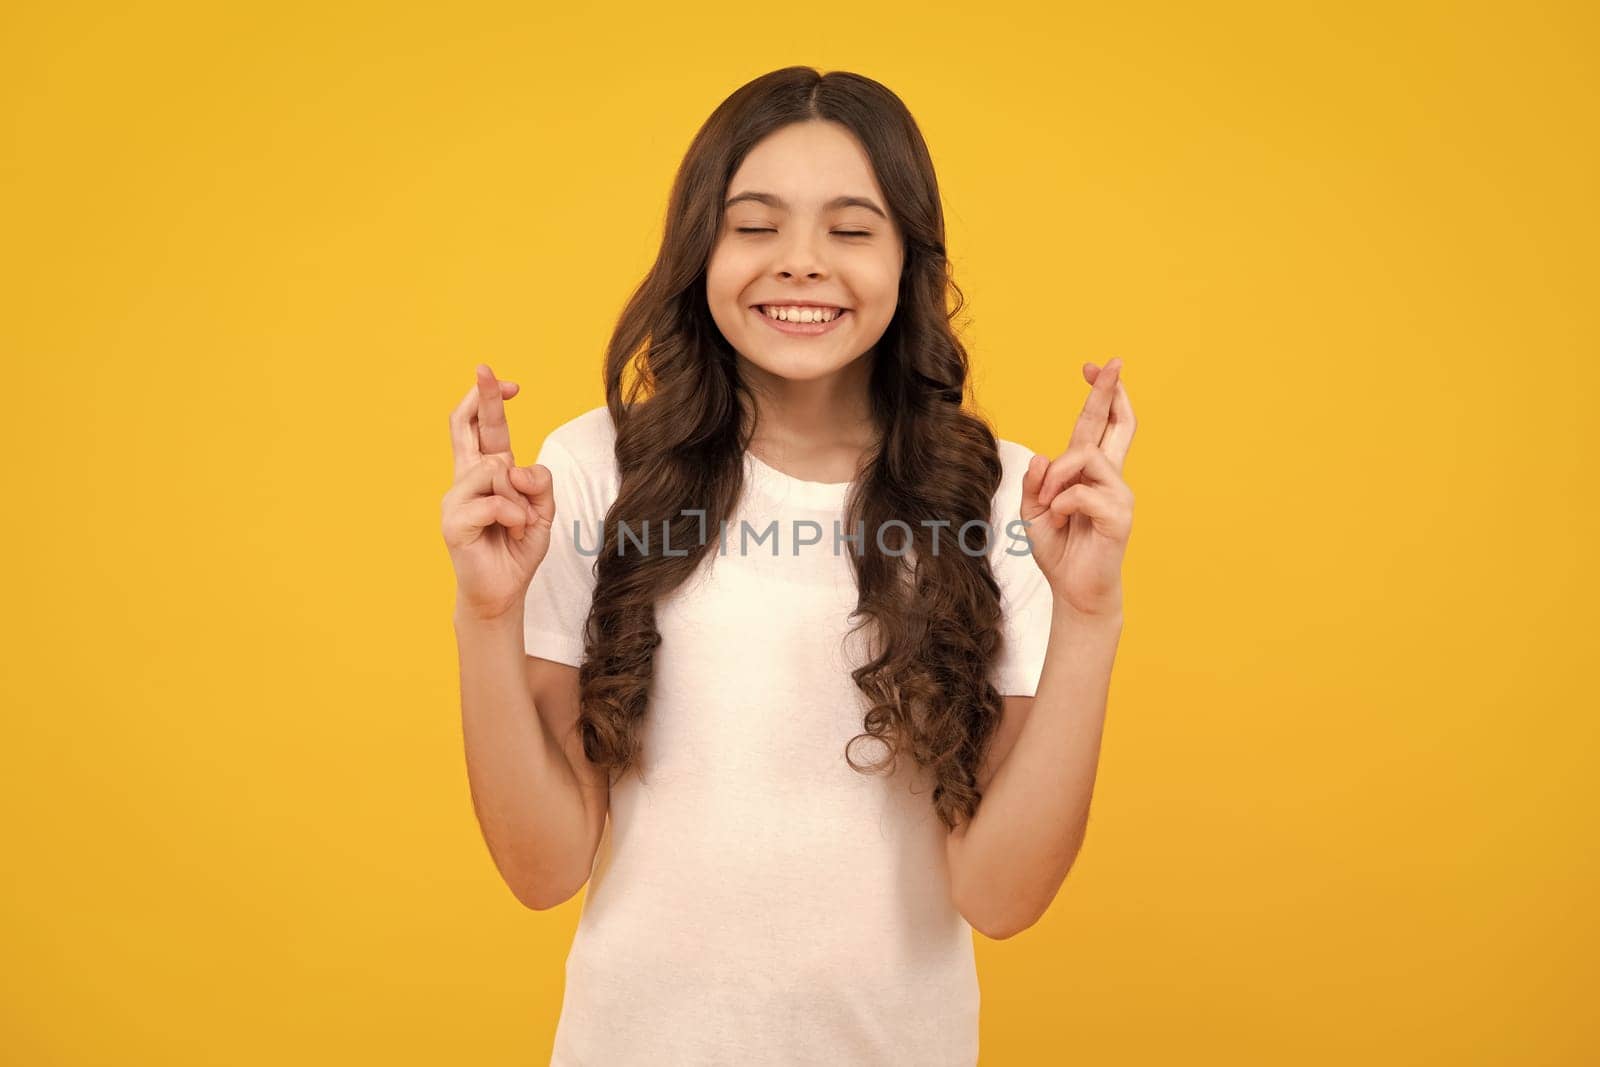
x,y
1345,808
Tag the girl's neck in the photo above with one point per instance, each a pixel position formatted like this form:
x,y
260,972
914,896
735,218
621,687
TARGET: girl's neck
x,y
815,430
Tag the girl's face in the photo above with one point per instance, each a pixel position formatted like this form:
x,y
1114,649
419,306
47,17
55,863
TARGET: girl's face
x,y
804,223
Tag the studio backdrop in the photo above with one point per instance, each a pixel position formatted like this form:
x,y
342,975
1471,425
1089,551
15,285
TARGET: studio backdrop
x,y
253,255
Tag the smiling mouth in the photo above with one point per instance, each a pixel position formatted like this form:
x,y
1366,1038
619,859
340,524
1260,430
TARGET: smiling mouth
x,y
801,312
800,328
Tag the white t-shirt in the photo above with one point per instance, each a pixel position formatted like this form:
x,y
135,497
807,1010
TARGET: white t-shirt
x,y
754,899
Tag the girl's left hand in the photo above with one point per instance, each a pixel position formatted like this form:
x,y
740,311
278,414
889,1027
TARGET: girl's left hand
x,y
1078,509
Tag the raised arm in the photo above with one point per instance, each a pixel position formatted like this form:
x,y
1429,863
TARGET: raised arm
x,y
539,803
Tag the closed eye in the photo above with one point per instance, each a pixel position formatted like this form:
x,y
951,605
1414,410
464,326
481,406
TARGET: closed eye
x,y
836,233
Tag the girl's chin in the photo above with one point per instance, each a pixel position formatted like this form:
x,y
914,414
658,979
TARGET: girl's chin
x,y
796,362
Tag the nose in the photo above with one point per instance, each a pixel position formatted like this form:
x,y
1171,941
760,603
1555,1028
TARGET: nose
x,y
800,257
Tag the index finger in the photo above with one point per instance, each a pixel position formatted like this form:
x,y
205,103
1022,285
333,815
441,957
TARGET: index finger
x,y
493,433
464,425
1120,436
1091,425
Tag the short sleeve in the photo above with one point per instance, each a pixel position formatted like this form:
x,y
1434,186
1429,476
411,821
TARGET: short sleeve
x,y
1026,602
558,598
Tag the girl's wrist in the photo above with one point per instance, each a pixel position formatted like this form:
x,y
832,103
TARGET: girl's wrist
x,y
468,618
1108,617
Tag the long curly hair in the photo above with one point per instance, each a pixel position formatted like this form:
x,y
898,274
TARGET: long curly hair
x,y
683,418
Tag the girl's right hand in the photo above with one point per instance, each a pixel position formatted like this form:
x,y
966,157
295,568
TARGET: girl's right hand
x,y
497,517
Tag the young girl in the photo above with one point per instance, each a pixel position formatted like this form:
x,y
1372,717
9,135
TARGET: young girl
x,y
781,650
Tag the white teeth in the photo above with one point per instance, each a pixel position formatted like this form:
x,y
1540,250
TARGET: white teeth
x,y
796,314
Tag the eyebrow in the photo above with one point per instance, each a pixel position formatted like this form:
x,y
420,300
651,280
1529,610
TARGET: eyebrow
x,y
837,202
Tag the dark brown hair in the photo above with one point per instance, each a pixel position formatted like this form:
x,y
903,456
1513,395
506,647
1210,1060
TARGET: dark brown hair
x,y
684,418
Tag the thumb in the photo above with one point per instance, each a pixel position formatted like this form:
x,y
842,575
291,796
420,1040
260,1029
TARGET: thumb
x,y
1032,482
538,485
526,479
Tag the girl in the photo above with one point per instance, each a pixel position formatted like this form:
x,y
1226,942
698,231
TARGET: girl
x,y
781,650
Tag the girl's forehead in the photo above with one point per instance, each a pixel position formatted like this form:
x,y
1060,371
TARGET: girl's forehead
x,y
808,153
805,189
